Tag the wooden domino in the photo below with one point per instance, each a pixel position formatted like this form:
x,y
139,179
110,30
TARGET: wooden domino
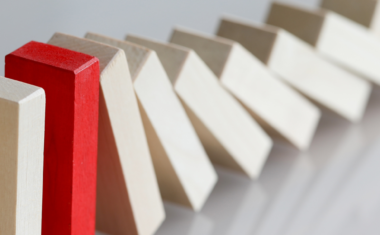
x,y
336,38
128,199
22,125
230,136
72,91
297,63
277,107
364,12
184,172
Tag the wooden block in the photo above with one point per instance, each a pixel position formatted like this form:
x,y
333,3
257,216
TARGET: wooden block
x,y
128,199
72,91
364,12
336,38
185,174
297,63
277,107
22,125
230,136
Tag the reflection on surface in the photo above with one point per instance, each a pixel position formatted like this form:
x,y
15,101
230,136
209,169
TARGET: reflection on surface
x,y
277,215
334,188
186,221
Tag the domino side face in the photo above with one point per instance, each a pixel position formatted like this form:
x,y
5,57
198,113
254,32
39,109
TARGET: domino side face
x,y
230,137
70,81
299,65
128,200
22,126
184,173
278,108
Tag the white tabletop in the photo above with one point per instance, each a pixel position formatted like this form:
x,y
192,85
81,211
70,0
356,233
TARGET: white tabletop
x,y
334,188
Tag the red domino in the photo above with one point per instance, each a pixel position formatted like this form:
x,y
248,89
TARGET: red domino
x,y
71,83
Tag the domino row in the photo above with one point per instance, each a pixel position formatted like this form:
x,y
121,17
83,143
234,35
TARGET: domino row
x,y
99,126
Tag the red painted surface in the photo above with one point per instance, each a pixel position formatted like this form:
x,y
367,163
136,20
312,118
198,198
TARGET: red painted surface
x,y
71,82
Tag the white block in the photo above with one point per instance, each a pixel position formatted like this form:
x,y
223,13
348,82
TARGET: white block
x,y
22,130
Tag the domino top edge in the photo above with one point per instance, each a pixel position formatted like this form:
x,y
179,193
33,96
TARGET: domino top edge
x,y
172,56
91,36
54,56
257,38
136,55
364,12
130,37
314,11
18,92
105,53
250,24
205,36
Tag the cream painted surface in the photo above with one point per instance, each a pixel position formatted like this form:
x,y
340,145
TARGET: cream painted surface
x,y
175,131
22,125
288,112
351,46
128,199
223,116
299,65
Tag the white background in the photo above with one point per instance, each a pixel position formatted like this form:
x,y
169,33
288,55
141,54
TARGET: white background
x,y
24,20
